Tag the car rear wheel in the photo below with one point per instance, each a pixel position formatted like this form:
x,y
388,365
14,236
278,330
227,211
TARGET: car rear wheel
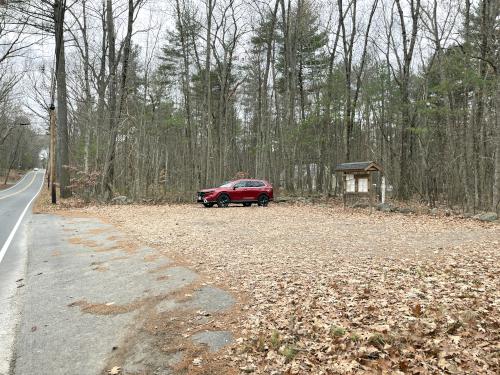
x,y
223,200
208,205
263,200
247,204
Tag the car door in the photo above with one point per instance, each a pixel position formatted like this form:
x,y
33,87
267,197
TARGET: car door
x,y
246,191
238,191
251,191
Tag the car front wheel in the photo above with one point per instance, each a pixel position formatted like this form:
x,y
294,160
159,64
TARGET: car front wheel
x,y
263,200
223,200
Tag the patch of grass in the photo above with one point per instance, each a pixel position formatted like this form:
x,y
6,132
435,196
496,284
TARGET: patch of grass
x,y
289,352
260,343
275,340
354,337
337,331
377,340
420,272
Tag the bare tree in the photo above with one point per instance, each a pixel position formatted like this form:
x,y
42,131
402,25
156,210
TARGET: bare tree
x,y
403,80
115,109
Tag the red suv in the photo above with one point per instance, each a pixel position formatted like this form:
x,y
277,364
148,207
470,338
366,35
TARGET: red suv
x,y
240,191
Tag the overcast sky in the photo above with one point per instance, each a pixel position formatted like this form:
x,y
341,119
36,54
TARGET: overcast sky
x,y
157,17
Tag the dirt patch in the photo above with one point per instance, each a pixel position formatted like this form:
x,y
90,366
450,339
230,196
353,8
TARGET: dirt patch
x,y
152,257
96,231
164,335
83,241
105,249
117,258
104,308
100,268
127,246
161,268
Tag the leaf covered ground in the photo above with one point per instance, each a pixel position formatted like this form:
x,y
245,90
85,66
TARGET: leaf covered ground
x,y
325,290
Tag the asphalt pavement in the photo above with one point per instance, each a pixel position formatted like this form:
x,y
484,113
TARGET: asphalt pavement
x,y
15,214
77,296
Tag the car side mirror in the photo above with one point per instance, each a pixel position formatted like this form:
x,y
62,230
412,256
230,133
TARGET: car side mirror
x,y
235,187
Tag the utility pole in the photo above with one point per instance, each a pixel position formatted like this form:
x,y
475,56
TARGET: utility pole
x,y
52,151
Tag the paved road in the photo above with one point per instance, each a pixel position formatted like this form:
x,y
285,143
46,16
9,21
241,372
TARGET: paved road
x,y
13,203
79,297
15,212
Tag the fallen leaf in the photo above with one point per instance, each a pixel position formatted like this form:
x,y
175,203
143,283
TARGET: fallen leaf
x,y
197,361
115,370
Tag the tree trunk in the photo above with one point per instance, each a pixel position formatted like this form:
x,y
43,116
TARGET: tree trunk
x,y
114,110
62,105
405,172
107,189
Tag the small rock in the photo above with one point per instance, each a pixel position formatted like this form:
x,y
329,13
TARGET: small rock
x,y
434,212
248,369
303,200
405,210
385,207
121,199
281,199
360,205
488,216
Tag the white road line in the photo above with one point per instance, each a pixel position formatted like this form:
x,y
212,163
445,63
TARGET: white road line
x,y
20,190
18,223
17,183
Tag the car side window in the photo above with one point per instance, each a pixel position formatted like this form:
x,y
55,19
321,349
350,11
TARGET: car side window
x,y
255,184
240,184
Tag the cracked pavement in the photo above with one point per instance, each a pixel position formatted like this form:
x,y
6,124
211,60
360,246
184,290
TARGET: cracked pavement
x,y
93,299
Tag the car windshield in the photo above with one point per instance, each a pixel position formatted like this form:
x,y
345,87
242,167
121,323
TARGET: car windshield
x,y
226,184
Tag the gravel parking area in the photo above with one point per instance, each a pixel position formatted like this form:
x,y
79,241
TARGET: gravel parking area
x,y
331,290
